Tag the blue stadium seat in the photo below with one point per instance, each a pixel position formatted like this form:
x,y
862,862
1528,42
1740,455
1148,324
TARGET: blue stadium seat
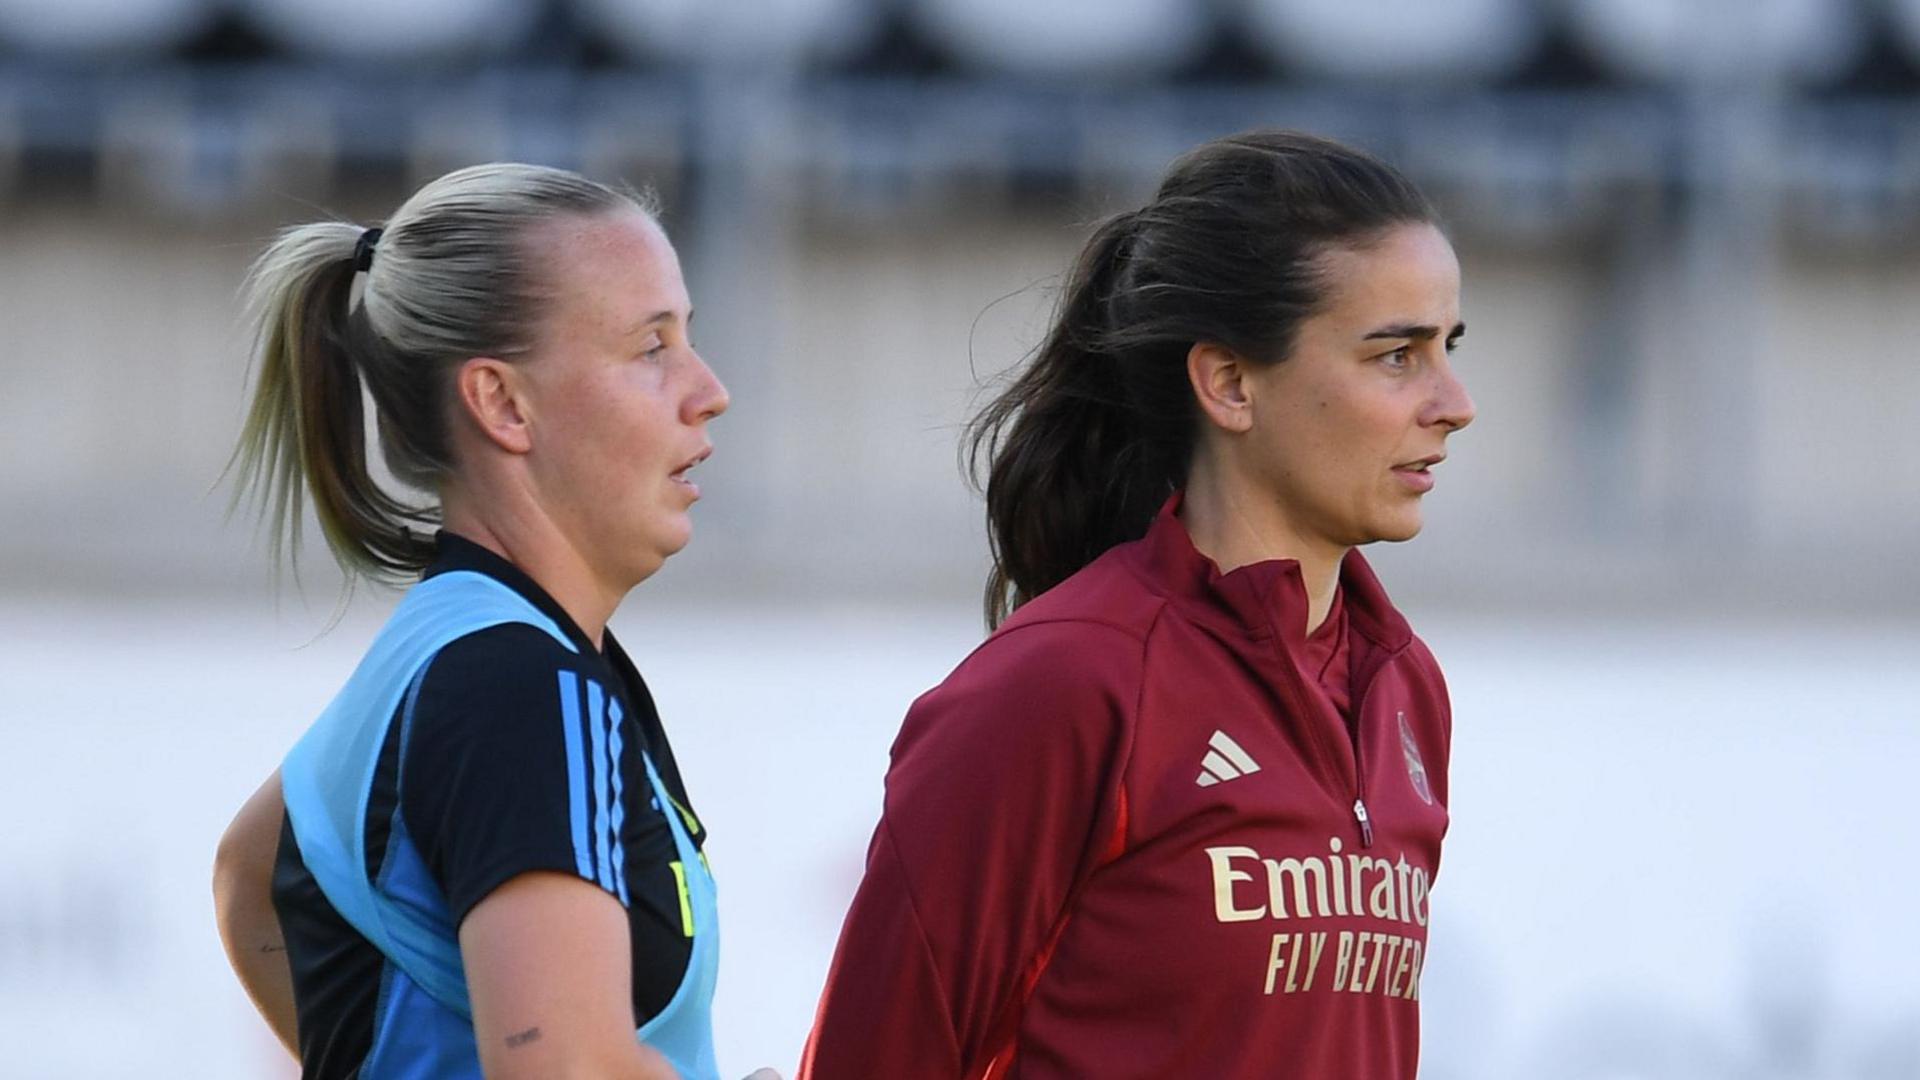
x,y
722,31
1396,40
80,27
394,29
1066,37
761,31
1721,40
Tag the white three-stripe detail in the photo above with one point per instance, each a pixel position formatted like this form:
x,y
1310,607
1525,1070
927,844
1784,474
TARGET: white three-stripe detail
x,y
1225,761
597,732
576,772
595,789
614,717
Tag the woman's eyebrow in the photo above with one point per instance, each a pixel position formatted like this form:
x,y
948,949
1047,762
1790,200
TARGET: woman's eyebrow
x,y
1415,331
651,321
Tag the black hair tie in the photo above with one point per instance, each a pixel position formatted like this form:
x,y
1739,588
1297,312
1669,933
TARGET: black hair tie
x,y
363,250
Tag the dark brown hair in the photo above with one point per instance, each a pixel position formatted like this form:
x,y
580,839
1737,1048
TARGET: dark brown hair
x,y
1093,434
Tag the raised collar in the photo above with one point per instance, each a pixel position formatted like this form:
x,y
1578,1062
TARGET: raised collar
x,y
456,552
1263,599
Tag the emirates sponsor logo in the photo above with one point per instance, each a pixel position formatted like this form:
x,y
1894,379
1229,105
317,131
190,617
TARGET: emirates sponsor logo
x,y
1248,887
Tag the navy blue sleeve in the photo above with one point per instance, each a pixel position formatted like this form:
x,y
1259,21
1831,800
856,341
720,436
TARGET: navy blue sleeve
x,y
498,776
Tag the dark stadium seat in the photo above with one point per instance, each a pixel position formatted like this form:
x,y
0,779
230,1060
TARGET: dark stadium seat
x,y
1904,17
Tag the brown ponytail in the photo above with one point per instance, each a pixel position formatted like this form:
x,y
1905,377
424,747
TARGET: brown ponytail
x,y
1087,441
1074,468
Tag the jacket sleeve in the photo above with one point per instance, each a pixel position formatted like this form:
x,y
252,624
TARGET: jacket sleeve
x,y
1004,792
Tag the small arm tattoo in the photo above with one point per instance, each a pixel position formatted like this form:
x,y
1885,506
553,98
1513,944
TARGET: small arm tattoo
x,y
531,1035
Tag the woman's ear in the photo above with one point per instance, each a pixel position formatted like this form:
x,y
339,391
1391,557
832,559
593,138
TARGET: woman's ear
x,y
1219,379
491,394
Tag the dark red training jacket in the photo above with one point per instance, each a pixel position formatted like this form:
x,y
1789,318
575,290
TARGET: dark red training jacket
x,y
1128,838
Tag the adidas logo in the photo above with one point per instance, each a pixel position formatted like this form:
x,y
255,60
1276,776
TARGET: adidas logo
x,y
1226,761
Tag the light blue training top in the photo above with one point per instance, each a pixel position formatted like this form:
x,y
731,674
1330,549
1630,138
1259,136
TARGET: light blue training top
x,y
424,1030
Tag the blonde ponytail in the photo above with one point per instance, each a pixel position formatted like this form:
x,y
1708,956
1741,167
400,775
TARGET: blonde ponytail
x,y
450,278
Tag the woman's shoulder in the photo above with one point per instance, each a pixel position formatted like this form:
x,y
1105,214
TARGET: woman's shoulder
x,y
504,680
1082,642
1105,593
1419,663
1038,677
504,652
1424,672
1052,701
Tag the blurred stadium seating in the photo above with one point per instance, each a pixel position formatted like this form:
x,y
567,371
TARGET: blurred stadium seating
x,y
1652,157
1566,106
1520,80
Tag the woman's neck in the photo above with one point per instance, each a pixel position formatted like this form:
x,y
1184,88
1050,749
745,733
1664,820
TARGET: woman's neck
x,y
531,541
1235,526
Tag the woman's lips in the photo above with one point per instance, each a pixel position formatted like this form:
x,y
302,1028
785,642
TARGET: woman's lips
x,y
679,476
1420,480
1415,474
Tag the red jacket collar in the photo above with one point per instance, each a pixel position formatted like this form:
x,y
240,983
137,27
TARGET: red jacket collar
x,y
1268,598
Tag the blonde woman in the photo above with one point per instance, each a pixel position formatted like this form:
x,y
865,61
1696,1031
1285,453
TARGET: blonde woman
x,y
483,859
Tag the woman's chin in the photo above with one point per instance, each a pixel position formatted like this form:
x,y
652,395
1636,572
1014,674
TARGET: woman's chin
x,y
673,538
1398,528
646,555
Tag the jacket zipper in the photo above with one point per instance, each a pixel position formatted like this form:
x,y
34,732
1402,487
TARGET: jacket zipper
x,y
1360,782
1291,680
1355,727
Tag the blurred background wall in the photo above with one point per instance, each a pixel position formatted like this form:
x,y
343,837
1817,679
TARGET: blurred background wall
x,y
1682,532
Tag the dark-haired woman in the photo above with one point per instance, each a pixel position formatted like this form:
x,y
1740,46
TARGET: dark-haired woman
x,y
1180,814
487,863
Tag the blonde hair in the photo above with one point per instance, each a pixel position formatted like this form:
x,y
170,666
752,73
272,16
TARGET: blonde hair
x,y
452,277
